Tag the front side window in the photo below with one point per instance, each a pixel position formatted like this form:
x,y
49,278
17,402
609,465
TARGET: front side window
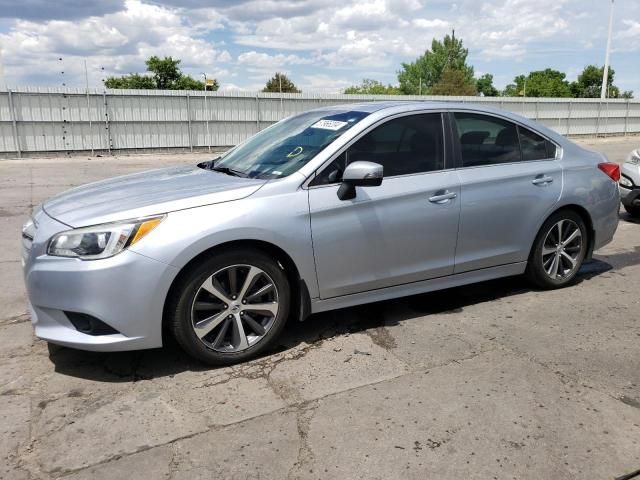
x,y
404,145
287,146
486,140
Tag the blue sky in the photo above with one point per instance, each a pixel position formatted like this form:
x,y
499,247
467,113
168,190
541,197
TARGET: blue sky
x,y
323,45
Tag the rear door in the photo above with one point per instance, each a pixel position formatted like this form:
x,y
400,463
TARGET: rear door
x,y
510,182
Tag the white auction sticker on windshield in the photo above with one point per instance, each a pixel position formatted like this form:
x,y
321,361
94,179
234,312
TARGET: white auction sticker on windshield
x,y
329,124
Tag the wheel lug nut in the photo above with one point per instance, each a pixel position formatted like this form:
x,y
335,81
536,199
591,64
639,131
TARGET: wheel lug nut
x,y
244,301
233,298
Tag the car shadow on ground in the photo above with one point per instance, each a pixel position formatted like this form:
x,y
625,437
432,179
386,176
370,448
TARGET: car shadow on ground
x,y
171,360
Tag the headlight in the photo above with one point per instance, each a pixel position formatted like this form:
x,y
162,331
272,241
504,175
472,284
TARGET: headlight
x,y
101,241
634,157
625,182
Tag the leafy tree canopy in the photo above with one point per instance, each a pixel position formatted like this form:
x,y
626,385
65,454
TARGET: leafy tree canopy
x,y
165,75
422,74
589,84
454,82
541,83
133,80
164,71
373,87
280,83
484,86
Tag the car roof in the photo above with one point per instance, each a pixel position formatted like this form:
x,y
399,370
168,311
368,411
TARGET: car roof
x,y
399,106
377,106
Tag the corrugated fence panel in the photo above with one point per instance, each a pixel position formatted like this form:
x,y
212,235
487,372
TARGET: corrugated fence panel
x,y
59,119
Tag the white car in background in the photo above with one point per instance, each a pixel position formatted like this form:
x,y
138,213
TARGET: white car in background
x,y
630,184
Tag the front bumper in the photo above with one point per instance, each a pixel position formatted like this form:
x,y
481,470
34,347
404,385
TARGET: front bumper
x,y
126,292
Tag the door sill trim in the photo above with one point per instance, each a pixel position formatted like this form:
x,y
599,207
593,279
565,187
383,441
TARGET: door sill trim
x,y
422,286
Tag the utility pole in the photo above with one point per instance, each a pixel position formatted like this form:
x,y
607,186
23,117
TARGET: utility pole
x,y
86,76
605,73
206,111
420,87
86,83
3,85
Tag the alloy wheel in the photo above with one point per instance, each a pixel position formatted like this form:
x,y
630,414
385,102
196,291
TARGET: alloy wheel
x,y
234,308
561,249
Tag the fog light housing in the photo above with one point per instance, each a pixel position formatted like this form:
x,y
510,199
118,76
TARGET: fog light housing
x,y
89,325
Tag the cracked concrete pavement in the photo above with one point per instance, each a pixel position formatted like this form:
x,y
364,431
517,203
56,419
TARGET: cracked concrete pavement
x,y
493,380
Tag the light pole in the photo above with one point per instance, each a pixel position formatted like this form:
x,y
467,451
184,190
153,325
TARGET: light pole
x,y
3,85
605,73
206,112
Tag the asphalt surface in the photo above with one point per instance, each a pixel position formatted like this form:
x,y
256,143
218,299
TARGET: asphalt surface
x,y
488,381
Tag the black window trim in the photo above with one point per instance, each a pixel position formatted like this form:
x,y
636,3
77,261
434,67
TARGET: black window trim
x,y
453,132
448,154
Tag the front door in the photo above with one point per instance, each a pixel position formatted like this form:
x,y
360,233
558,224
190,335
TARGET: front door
x,y
400,232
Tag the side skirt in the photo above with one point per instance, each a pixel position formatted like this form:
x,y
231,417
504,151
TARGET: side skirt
x,y
414,288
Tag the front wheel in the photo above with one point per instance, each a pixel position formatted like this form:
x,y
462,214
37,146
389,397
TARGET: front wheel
x,y
558,251
230,307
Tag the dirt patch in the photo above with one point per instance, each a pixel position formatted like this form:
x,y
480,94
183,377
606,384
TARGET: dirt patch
x,y
381,337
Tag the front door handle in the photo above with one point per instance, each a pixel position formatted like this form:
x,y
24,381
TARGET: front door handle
x,y
443,196
542,180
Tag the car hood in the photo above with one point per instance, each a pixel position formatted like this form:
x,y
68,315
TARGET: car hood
x,y
147,193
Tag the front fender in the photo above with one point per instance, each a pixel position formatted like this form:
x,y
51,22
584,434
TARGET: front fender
x,y
281,220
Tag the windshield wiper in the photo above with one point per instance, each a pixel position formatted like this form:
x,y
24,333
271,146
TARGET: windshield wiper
x,y
228,171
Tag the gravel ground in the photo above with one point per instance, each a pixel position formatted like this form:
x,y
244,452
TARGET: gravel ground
x,y
493,380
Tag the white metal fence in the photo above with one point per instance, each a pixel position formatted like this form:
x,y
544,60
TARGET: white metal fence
x,y
38,120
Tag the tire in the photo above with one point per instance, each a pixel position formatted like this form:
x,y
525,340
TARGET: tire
x,y
206,318
632,210
541,269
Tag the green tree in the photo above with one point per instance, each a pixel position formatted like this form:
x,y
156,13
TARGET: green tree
x,y
484,85
373,87
185,82
515,89
280,83
454,82
419,76
165,75
165,71
541,83
133,80
589,84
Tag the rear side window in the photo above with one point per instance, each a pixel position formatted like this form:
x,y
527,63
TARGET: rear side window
x,y
535,147
486,140
404,145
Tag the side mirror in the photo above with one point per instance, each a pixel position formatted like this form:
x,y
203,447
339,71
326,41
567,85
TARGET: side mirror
x,y
359,174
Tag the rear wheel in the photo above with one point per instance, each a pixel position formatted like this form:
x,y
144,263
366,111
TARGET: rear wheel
x,y
559,250
231,307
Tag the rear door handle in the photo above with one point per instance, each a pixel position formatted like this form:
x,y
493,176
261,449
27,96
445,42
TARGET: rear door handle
x,y
443,197
542,180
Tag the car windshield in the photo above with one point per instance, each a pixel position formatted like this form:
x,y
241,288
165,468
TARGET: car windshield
x,y
288,145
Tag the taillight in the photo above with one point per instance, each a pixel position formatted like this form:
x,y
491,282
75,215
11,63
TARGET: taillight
x,y
611,169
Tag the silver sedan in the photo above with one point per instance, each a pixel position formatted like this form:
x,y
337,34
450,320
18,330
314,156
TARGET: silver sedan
x,y
326,209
